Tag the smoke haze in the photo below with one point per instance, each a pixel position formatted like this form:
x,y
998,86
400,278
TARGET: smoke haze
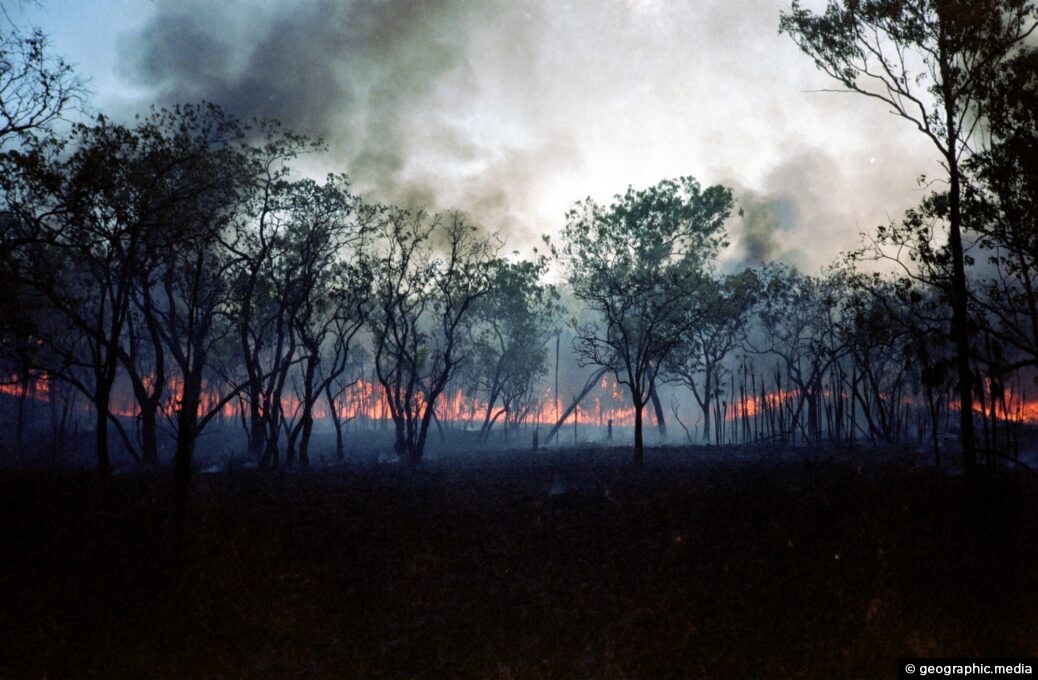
x,y
513,110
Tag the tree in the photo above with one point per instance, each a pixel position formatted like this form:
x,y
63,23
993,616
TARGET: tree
x,y
513,325
326,224
715,326
636,265
797,315
36,88
82,223
1004,204
929,61
350,299
267,290
184,279
428,276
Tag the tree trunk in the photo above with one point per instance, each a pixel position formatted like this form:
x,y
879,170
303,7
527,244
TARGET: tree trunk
x,y
639,444
661,422
149,432
257,439
340,451
588,386
104,466
960,330
705,405
960,292
187,431
307,425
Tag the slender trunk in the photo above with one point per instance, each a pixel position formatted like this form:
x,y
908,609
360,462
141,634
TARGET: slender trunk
x,y
23,403
588,386
257,438
661,422
639,445
400,441
307,425
418,448
706,406
340,452
149,432
934,418
101,405
960,332
187,432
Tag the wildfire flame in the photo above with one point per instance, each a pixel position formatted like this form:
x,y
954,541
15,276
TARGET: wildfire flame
x,y
366,400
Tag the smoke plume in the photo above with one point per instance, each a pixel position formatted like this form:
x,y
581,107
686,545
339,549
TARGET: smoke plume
x,y
511,110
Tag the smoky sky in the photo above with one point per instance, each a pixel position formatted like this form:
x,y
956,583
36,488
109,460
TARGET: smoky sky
x,y
511,110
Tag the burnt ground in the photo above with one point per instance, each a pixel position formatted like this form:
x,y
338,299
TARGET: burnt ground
x,y
703,563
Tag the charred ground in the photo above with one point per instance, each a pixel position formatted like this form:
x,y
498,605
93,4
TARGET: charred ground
x,y
701,563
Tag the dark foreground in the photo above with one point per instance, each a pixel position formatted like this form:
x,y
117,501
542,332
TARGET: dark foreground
x,y
699,565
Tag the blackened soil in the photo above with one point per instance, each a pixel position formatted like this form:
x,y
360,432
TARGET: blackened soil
x,y
699,564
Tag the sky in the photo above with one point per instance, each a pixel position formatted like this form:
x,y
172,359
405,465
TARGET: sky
x,y
513,110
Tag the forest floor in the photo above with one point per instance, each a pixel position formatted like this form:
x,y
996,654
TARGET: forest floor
x,y
700,564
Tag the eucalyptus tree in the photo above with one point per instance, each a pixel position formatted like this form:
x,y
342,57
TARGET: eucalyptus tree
x,y
717,321
36,87
636,266
326,224
1004,207
929,62
428,275
266,279
84,211
797,323
513,324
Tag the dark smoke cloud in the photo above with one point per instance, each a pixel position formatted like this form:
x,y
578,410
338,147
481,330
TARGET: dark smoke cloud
x,y
766,221
511,110
811,206
361,75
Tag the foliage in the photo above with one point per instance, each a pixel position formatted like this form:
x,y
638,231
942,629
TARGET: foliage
x,y
513,324
717,317
636,266
36,88
429,274
930,62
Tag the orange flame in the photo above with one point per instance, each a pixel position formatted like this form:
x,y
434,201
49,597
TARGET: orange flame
x,y
367,400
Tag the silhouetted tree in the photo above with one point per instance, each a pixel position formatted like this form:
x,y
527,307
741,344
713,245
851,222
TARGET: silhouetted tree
x,y
514,322
83,219
637,265
324,227
1004,210
186,284
428,275
929,61
715,326
36,87
797,323
267,287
